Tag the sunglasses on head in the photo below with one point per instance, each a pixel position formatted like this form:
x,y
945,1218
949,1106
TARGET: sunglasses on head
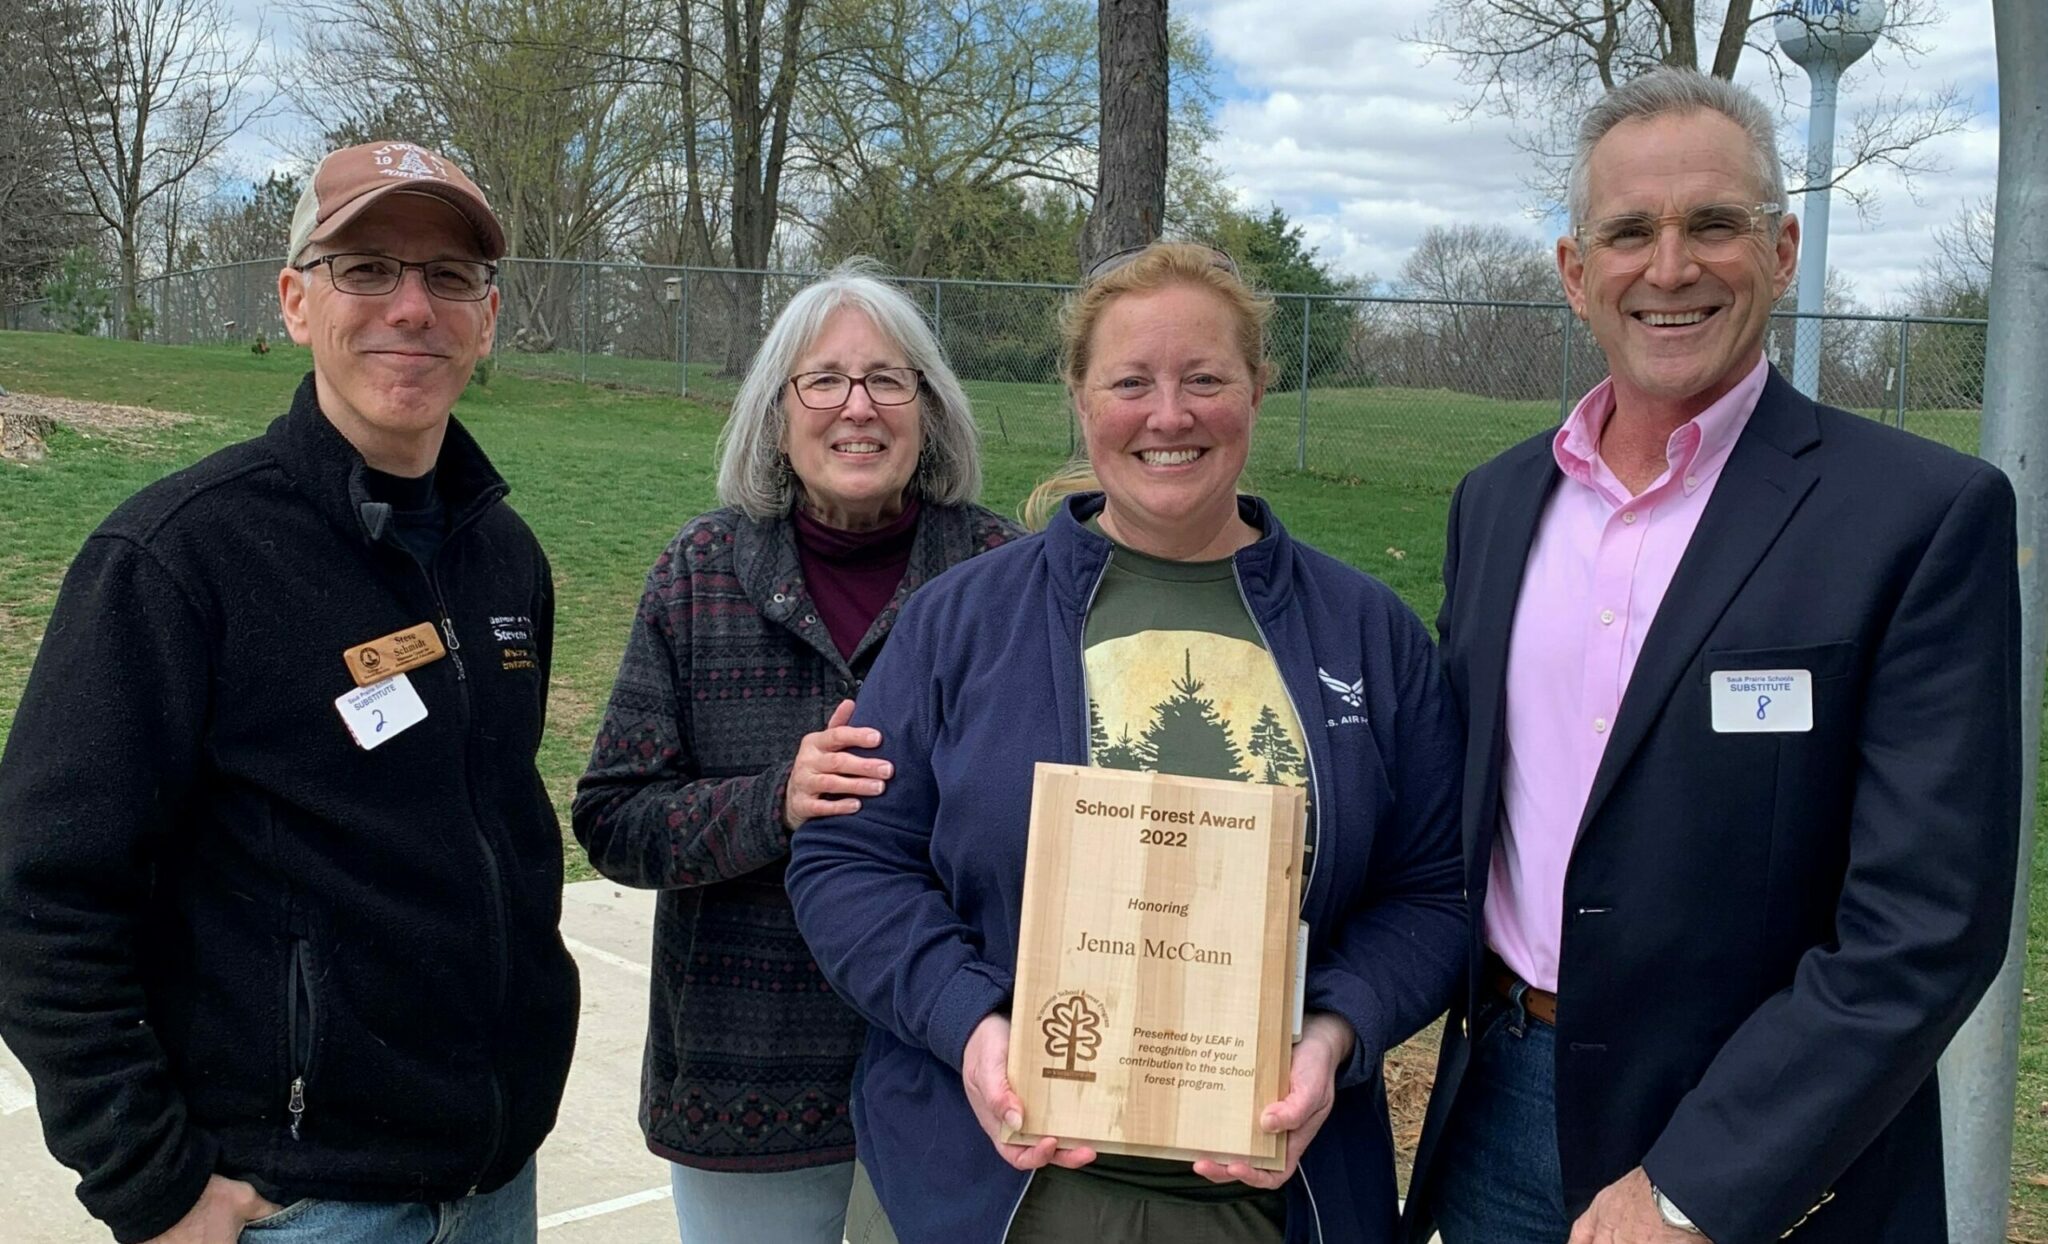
x,y
1110,263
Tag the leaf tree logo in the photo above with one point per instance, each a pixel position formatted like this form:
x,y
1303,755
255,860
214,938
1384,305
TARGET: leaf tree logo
x,y
1072,1030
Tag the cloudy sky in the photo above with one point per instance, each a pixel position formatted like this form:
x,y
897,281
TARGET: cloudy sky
x,y
1329,112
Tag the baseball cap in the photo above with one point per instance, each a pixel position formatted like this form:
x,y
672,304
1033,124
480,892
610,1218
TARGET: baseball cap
x,y
348,181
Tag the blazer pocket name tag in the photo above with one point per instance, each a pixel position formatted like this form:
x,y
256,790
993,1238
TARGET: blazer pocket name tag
x,y
1761,701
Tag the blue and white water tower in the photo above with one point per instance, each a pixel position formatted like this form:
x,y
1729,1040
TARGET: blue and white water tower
x,y
1824,37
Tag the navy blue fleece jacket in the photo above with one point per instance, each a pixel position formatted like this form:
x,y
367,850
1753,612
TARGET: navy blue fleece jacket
x,y
912,904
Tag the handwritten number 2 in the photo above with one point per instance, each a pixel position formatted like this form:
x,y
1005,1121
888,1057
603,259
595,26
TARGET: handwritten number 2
x,y
380,719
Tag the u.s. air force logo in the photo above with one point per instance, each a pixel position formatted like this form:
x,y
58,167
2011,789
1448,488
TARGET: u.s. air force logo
x,y
1352,693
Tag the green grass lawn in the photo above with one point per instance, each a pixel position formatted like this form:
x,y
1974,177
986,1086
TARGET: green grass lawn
x,y
606,473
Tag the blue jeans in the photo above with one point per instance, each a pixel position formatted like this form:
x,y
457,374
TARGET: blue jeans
x,y
506,1216
1499,1181
787,1207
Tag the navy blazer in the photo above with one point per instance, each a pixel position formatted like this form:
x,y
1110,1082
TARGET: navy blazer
x,y
1769,938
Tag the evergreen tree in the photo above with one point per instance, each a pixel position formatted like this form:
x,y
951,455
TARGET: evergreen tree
x,y
1188,737
1098,738
1124,754
1271,743
1276,257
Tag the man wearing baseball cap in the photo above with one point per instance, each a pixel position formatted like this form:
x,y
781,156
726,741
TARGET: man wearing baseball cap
x,y
279,880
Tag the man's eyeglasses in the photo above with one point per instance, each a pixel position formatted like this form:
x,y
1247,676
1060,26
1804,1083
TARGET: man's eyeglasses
x,y
1711,233
456,280
829,390
1110,263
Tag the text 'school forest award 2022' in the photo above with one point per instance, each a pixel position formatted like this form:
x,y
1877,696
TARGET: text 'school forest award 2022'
x,y
1156,993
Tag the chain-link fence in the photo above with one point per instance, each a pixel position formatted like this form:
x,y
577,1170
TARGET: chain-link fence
x,y
1404,391
227,303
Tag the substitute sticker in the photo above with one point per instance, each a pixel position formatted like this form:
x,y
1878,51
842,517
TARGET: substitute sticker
x,y
378,713
1761,701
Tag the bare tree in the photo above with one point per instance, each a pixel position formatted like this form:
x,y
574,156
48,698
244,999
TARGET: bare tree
x,y
41,216
528,96
1462,339
1542,63
736,64
1479,263
923,124
524,95
580,108
171,222
728,72
147,93
1948,359
918,111
1130,203
1856,355
1197,194
1956,279
244,225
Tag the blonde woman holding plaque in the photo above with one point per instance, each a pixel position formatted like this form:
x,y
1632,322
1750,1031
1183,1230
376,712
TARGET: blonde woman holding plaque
x,y
1160,621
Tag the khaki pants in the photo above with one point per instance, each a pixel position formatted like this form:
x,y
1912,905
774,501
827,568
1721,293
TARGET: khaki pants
x,y
865,1221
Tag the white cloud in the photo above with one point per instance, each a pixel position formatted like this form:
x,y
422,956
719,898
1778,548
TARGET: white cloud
x,y
1365,142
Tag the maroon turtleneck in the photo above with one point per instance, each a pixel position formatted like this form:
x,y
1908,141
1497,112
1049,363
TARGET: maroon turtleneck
x,y
852,574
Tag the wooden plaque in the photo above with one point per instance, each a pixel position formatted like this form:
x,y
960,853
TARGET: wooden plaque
x,y
1154,1005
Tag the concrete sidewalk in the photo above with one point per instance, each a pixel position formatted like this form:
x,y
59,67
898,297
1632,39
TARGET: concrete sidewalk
x,y
597,1180
598,1183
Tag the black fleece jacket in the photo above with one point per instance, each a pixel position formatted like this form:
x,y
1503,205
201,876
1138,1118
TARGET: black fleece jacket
x,y
232,940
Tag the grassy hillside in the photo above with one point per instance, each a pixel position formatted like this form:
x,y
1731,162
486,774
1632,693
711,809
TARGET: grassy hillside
x,y
606,474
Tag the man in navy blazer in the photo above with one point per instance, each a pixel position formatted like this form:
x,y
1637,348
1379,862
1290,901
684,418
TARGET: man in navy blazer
x,y
1740,674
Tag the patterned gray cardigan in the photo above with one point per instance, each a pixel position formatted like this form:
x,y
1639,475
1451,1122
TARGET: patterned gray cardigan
x,y
750,1057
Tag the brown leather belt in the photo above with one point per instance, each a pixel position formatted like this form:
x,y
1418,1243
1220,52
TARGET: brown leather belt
x,y
1539,1003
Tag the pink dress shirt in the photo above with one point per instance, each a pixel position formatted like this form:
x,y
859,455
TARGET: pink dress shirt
x,y
1596,573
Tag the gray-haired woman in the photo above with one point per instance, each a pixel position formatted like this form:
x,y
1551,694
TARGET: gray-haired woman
x,y
848,476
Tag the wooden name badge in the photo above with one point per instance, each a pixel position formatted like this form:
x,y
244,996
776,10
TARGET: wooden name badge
x,y
1154,1004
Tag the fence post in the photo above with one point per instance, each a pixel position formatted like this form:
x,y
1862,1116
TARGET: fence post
x,y
583,333
1902,374
1979,1071
1301,436
1564,368
939,313
683,335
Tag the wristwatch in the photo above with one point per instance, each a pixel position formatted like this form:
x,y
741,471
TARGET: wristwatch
x,y
1672,1215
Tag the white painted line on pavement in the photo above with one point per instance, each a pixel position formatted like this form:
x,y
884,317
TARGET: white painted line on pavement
x,y
15,1094
640,970
602,1208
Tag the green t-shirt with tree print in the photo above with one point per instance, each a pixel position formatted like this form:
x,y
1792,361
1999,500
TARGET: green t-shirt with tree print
x,y
1180,681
